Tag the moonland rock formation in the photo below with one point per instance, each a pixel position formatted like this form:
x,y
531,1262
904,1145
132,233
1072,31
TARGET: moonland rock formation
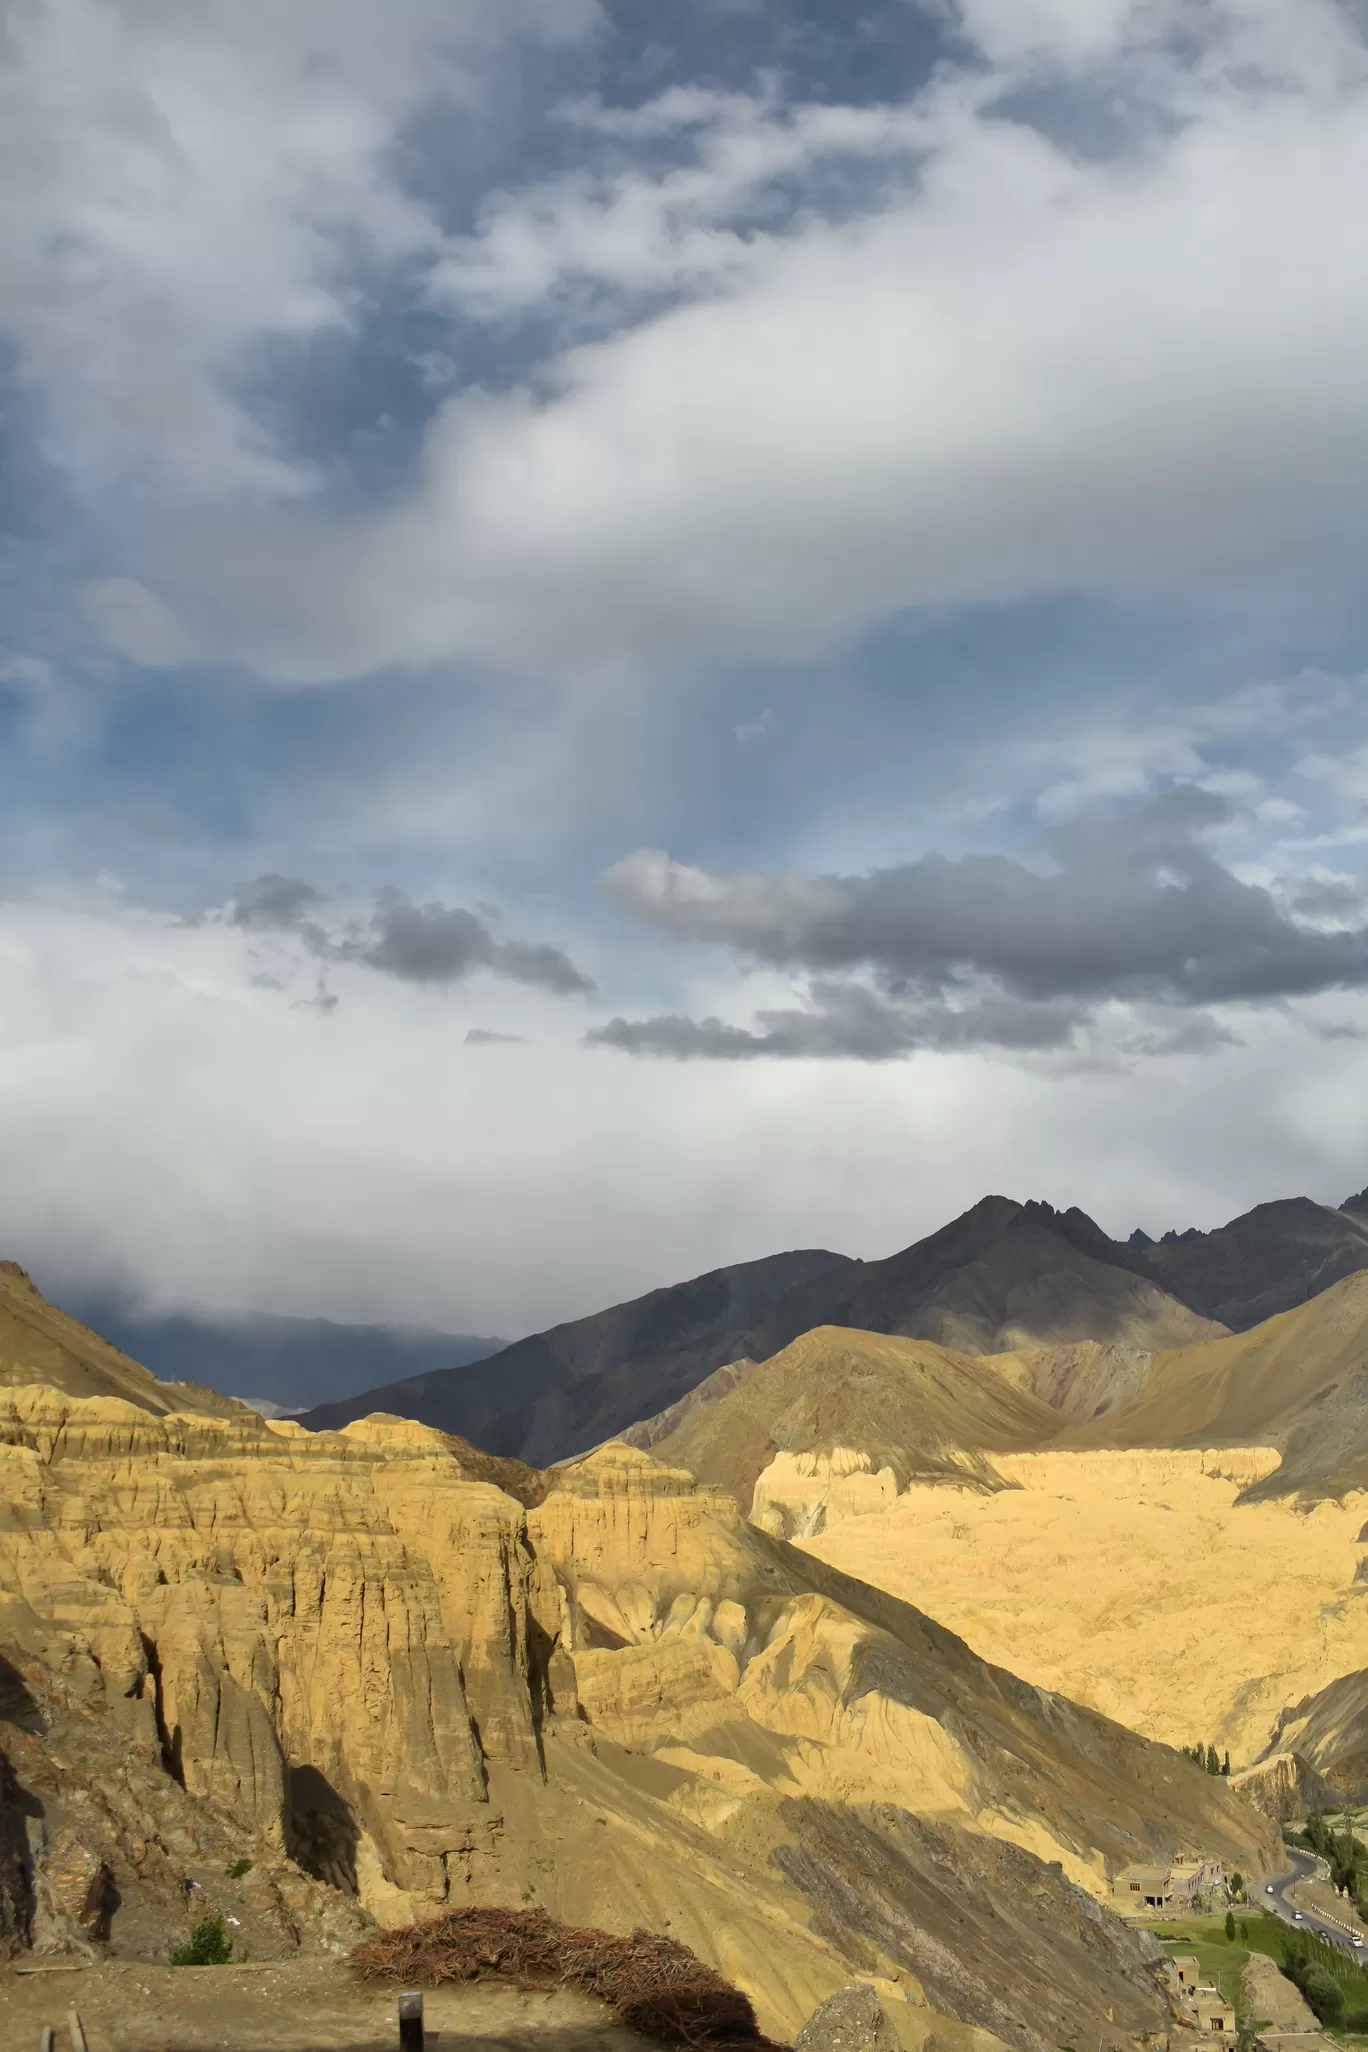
x,y
622,1703
1176,1538
1003,1275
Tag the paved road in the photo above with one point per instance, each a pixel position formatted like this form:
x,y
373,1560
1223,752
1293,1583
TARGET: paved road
x,y
1273,1896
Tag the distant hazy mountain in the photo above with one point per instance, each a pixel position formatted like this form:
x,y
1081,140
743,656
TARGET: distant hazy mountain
x,y
291,1362
40,1343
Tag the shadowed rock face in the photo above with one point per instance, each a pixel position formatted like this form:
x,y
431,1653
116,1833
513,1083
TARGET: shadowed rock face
x,y
1268,1260
622,1703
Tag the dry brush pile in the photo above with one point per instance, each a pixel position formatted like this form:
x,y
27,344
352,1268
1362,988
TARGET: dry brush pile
x,y
651,1982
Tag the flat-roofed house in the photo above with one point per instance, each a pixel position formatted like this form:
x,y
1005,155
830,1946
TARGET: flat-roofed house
x,y
1213,2012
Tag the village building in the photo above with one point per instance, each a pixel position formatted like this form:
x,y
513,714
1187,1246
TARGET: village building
x,y
1179,1887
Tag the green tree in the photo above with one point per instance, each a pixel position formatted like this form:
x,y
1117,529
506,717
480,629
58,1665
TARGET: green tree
x,y
1323,1993
1225,1764
1237,1883
1213,1765
1230,1927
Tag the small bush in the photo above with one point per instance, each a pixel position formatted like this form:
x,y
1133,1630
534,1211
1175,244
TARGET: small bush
x,y
207,1945
1357,2020
238,1869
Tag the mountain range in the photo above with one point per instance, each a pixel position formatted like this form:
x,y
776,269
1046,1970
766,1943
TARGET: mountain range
x,y
1004,1276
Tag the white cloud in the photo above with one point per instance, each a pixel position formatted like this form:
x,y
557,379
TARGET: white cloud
x,y
178,184
166,1119
1025,371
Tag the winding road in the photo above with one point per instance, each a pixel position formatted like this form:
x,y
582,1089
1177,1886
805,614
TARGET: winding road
x,y
1273,1896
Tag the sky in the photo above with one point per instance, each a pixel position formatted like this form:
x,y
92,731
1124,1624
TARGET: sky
x,y
635,635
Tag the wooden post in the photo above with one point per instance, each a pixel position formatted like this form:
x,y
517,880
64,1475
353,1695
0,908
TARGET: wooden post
x,y
411,2022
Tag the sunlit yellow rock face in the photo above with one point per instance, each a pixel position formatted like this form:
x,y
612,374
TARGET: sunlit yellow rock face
x,y
1130,1580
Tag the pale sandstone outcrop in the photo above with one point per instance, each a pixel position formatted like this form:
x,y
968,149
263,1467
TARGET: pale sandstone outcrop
x,y
1284,1786
623,1703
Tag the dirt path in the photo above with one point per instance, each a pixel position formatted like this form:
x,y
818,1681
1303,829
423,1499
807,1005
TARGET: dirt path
x,y
306,2006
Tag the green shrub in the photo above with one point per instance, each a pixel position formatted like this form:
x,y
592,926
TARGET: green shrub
x,y
238,1869
1230,1927
207,1945
1357,2020
1323,1993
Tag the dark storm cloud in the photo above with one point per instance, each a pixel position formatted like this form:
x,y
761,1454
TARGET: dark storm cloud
x,y
1127,909
1132,906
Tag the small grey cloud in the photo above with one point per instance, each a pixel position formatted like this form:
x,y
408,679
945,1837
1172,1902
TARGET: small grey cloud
x,y
323,1000
758,729
848,1022
273,902
443,943
424,944
482,1036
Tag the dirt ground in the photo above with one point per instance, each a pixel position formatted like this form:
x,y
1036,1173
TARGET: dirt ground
x,y
297,2006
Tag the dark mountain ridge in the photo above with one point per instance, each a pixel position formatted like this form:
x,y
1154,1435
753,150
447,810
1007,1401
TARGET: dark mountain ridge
x,y
1003,1275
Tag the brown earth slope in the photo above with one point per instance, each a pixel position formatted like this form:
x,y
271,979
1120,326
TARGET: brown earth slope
x,y
623,1704
914,1411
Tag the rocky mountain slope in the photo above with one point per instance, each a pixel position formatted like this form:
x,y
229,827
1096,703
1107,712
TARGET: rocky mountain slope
x,y
1004,1275
37,1341
1267,1260
1328,1731
621,1702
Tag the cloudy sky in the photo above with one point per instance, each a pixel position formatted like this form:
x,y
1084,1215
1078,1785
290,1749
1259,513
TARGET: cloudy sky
x,y
632,634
